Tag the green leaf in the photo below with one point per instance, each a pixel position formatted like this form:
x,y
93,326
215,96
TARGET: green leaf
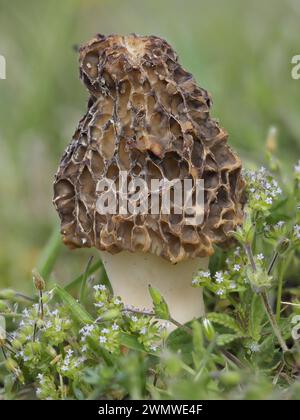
x,y
198,348
79,279
226,321
76,309
132,343
180,340
160,306
84,280
224,339
257,314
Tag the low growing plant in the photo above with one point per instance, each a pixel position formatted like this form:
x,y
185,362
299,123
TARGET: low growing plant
x,y
92,346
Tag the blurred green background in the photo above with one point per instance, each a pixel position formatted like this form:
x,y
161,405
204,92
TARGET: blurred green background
x,y
240,51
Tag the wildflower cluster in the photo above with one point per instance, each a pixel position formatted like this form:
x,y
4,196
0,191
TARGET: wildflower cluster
x,y
262,189
114,319
54,348
230,280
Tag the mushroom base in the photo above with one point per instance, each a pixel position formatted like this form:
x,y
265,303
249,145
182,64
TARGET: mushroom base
x,y
130,275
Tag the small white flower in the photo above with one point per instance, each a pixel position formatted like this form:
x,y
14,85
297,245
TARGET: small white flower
x,y
232,285
99,287
219,277
25,312
40,377
254,347
67,361
105,330
220,292
115,327
84,348
269,200
134,318
99,304
69,353
58,328
55,312
38,391
205,274
153,347
77,363
195,282
237,251
164,325
86,330
297,167
260,257
117,301
236,267
143,331
297,231
64,368
280,224
102,339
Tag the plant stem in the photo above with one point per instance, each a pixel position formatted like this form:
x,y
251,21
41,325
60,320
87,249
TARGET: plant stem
x,y
272,263
151,313
279,293
22,296
248,251
281,272
265,300
273,321
178,325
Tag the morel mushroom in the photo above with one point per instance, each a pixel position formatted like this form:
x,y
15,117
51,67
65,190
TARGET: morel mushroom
x,y
147,118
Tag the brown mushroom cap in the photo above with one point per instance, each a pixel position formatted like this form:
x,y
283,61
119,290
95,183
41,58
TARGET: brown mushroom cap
x,y
146,115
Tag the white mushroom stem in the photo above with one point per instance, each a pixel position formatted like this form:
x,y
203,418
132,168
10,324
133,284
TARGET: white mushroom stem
x,y
131,273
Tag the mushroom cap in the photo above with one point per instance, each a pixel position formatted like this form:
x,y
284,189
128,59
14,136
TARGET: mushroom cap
x,y
147,116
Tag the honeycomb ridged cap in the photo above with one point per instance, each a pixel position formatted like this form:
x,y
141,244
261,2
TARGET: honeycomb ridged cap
x,y
147,116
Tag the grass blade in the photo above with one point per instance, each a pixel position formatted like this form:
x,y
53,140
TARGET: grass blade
x,y
95,267
76,309
49,254
84,280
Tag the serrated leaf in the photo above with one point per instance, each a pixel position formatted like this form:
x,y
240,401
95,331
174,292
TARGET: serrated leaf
x,y
226,321
224,339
